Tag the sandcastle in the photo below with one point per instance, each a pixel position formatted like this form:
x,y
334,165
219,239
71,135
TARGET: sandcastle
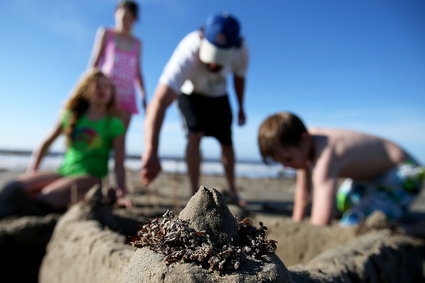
x,y
207,212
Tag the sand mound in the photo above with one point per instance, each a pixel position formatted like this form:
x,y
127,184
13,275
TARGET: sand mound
x,y
206,211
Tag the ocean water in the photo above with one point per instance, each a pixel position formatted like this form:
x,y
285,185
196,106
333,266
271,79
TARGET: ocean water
x,y
252,169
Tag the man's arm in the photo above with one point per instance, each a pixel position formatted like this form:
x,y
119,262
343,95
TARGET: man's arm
x,y
302,194
239,85
162,98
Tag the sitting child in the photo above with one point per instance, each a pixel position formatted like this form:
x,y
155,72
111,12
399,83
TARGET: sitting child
x,y
91,131
379,175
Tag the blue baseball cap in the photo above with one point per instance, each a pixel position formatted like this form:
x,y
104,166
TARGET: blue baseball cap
x,y
221,34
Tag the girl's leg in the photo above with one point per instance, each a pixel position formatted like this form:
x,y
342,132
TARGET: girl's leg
x,y
15,195
67,190
34,183
126,118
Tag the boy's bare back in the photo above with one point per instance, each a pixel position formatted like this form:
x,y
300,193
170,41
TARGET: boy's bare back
x,y
350,154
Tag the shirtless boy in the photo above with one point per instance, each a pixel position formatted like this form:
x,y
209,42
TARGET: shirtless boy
x,y
379,175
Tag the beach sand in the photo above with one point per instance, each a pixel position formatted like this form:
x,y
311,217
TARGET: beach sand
x,y
269,201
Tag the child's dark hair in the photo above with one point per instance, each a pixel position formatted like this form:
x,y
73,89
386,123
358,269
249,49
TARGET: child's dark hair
x,y
78,103
280,129
131,6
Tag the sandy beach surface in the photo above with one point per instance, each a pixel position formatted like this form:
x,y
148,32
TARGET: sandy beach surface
x,y
269,201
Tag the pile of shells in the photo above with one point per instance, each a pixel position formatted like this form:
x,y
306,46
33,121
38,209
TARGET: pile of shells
x,y
173,238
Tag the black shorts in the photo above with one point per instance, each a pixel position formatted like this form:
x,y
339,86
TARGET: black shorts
x,y
211,116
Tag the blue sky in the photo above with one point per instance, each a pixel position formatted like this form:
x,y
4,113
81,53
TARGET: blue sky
x,y
357,64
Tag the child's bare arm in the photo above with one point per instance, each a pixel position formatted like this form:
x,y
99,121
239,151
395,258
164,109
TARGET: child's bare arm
x,y
98,48
324,180
302,194
323,201
43,148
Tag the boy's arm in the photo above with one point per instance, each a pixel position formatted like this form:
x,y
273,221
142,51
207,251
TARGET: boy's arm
x,y
43,148
302,194
323,201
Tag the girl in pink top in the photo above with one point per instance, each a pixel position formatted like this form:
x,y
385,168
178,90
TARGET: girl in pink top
x,y
117,53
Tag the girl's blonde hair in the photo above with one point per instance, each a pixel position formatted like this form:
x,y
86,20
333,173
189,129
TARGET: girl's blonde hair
x,y
79,102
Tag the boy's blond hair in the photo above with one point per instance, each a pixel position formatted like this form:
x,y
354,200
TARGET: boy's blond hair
x,y
280,129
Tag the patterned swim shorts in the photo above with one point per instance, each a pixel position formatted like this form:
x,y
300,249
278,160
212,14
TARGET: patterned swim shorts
x,y
391,194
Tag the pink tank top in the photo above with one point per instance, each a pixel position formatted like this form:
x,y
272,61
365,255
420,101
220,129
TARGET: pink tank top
x,y
121,65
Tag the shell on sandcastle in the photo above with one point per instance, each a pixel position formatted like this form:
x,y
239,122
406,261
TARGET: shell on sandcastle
x,y
205,244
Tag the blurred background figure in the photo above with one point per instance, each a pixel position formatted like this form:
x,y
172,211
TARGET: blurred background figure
x,y
196,75
117,52
379,174
92,131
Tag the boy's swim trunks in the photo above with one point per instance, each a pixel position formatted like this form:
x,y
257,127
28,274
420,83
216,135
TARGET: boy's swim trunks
x,y
391,193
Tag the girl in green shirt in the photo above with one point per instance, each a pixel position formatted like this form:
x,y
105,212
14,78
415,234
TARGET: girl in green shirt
x,y
91,131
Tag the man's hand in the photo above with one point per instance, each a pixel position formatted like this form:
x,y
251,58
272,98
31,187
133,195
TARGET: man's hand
x,y
241,117
151,167
144,103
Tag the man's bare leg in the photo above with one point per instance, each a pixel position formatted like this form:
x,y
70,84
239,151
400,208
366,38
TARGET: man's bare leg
x,y
193,160
228,160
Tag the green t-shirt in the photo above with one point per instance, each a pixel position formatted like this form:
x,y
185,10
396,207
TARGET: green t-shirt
x,y
91,143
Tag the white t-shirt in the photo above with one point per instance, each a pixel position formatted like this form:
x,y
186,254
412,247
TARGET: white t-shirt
x,y
185,73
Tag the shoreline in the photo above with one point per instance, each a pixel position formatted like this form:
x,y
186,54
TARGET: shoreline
x,y
19,160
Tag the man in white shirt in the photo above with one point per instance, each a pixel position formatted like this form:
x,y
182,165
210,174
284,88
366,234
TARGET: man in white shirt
x,y
196,75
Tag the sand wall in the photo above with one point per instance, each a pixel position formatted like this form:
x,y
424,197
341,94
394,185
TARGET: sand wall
x,y
22,245
83,249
